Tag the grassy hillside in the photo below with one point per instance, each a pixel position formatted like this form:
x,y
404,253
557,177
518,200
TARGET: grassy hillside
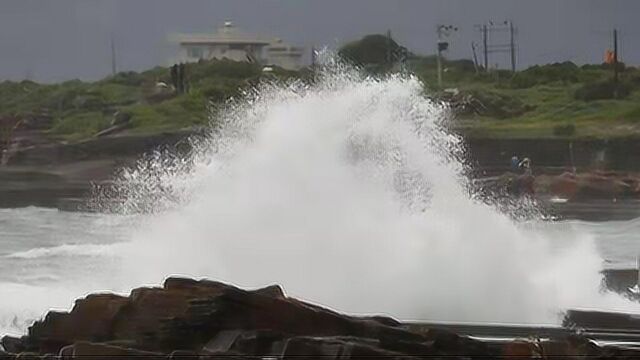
x,y
554,100
545,101
81,109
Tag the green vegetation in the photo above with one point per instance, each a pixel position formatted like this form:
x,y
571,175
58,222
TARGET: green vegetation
x,y
79,110
553,100
376,53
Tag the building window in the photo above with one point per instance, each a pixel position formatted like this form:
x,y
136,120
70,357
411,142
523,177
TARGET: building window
x,y
195,52
238,47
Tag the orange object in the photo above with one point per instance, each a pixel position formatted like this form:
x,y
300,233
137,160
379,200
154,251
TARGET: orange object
x,y
609,56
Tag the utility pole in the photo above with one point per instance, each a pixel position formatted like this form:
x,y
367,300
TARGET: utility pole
x,y
506,38
485,35
114,68
615,56
512,47
475,56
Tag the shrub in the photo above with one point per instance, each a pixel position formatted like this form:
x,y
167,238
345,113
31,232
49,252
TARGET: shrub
x,y
564,130
372,50
127,78
81,125
566,72
498,105
602,90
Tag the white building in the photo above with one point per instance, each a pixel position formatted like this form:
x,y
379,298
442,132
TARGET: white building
x,y
284,55
231,43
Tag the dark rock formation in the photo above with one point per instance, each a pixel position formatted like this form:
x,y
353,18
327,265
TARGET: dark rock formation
x,y
580,186
601,320
189,319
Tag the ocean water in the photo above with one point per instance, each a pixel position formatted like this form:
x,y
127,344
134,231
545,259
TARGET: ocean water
x,y
350,193
49,257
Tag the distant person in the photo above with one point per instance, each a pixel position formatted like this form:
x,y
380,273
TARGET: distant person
x,y
515,163
525,165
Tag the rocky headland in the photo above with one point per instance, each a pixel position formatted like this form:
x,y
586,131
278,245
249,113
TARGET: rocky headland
x,y
202,319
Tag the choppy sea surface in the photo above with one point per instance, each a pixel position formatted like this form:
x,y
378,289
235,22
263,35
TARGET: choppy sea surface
x,y
45,252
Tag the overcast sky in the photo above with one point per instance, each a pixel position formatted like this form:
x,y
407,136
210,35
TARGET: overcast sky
x,y
52,40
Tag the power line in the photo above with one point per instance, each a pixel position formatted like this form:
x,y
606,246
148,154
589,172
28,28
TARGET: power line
x,y
505,33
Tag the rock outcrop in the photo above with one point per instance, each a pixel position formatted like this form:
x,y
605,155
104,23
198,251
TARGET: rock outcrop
x,y
189,319
571,186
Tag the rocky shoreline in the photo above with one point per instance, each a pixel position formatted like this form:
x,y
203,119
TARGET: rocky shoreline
x,y
189,319
60,175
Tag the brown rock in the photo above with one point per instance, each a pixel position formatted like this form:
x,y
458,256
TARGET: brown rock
x,y
600,320
12,344
66,353
223,342
450,343
518,350
336,348
564,185
183,355
221,320
90,319
96,351
109,317
28,356
7,356
150,307
593,185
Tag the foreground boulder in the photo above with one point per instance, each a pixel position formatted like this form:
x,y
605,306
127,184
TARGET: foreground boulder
x,y
189,319
210,318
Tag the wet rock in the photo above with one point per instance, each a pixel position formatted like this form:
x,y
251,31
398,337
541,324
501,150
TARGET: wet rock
x,y
253,343
564,185
185,319
556,349
336,348
183,355
223,342
518,350
149,308
107,317
260,343
272,291
236,309
447,342
12,344
594,185
582,346
7,356
571,347
90,319
95,351
600,320
28,356
66,352
385,320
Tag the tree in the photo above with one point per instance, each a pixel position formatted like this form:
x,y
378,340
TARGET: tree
x,y
377,50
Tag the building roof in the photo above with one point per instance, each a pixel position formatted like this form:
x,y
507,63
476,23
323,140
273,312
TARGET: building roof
x,y
279,46
226,34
